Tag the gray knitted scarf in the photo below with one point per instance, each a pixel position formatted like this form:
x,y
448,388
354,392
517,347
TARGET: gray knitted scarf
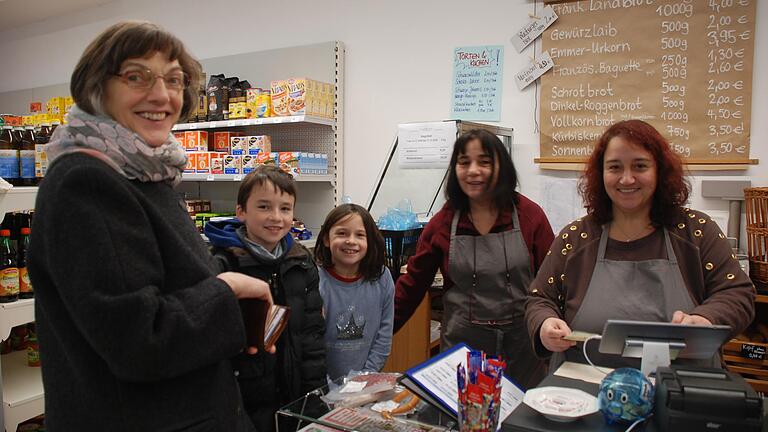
x,y
119,147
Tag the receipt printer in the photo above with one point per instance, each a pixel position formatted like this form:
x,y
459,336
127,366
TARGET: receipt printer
x,y
691,398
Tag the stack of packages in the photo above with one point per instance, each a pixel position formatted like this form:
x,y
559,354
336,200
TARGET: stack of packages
x,y
479,392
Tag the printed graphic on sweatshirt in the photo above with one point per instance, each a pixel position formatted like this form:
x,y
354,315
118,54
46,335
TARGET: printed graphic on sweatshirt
x,y
350,325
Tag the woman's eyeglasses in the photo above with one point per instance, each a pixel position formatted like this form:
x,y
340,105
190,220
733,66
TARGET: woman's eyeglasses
x,y
144,79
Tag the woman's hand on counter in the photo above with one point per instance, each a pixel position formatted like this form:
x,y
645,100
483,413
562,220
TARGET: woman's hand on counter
x,y
680,317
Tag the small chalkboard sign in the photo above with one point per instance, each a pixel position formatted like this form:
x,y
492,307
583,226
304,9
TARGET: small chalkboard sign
x,y
754,352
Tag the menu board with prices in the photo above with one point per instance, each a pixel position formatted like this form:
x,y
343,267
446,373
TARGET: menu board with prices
x,y
684,66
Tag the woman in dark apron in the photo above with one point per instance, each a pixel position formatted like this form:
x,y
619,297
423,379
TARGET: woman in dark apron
x,y
637,255
488,241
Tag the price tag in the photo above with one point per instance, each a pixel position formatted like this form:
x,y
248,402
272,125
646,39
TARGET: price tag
x,y
232,123
210,177
754,352
534,70
296,119
237,177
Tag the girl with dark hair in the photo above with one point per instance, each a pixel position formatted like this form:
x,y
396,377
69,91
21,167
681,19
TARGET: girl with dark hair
x,y
488,241
357,291
638,254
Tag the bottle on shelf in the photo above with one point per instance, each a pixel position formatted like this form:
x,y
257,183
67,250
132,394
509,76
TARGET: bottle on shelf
x,y
33,348
9,155
25,286
9,270
41,159
27,158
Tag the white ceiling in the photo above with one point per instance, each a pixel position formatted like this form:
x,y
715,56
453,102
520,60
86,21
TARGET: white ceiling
x,y
18,13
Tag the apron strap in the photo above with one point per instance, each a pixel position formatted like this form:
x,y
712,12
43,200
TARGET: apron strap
x,y
454,224
670,252
603,242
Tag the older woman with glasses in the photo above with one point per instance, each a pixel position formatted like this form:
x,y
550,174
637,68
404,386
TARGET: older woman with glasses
x,y
135,327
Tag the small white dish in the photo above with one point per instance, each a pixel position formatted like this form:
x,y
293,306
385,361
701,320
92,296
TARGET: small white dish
x,y
561,404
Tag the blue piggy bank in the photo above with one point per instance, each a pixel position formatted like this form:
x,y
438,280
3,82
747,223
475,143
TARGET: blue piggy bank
x,y
626,395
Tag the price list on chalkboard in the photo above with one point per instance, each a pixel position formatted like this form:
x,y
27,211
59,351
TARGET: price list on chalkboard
x,y
685,66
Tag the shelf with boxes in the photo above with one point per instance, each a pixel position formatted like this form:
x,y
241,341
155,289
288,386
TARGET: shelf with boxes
x,y
301,136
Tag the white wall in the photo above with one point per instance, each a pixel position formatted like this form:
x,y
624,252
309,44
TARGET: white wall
x,y
398,64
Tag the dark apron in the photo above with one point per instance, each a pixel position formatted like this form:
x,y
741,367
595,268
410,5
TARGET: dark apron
x,y
485,307
650,290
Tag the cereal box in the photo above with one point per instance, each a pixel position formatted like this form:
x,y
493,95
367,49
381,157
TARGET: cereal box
x,y
279,98
203,163
191,162
256,144
249,163
237,145
289,162
221,141
179,136
233,164
196,140
217,163
297,96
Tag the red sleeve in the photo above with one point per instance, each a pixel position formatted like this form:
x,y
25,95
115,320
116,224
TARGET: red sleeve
x,y
536,229
422,267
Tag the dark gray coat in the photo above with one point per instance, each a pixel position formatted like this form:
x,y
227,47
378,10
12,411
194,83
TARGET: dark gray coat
x,y
269,381
135,330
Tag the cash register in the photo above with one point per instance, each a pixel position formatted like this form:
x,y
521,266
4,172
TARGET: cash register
x,y
705,399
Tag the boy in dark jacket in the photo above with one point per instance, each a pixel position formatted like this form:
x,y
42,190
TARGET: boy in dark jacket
x,y
258,243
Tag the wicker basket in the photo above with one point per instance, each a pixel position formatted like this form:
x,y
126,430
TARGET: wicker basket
x,y
757,232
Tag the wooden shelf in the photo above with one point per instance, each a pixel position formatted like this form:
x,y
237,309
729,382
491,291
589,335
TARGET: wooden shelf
x,y
22,390
761,298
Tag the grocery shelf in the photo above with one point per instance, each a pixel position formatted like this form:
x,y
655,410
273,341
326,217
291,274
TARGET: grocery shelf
x,y
22,390
17,198
238,177
254,122
17,313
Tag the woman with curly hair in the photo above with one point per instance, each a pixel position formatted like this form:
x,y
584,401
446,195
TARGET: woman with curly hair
x,y
638,254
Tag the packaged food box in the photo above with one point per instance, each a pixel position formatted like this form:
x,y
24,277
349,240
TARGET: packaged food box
x,y
221,141
217,163
297,96
233,164
249,163
256,144
279,98
191,162
35,107
179,137
237,145
196,141
266,158
264,104
289,162
203,163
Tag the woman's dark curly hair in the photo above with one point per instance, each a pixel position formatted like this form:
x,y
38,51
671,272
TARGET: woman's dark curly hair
x,y
672,188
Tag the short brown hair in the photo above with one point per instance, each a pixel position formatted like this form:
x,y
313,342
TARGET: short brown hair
x,y
372,265
280,179
672,188
102,59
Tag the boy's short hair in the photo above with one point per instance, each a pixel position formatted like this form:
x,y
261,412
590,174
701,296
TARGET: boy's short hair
x,y
282,181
